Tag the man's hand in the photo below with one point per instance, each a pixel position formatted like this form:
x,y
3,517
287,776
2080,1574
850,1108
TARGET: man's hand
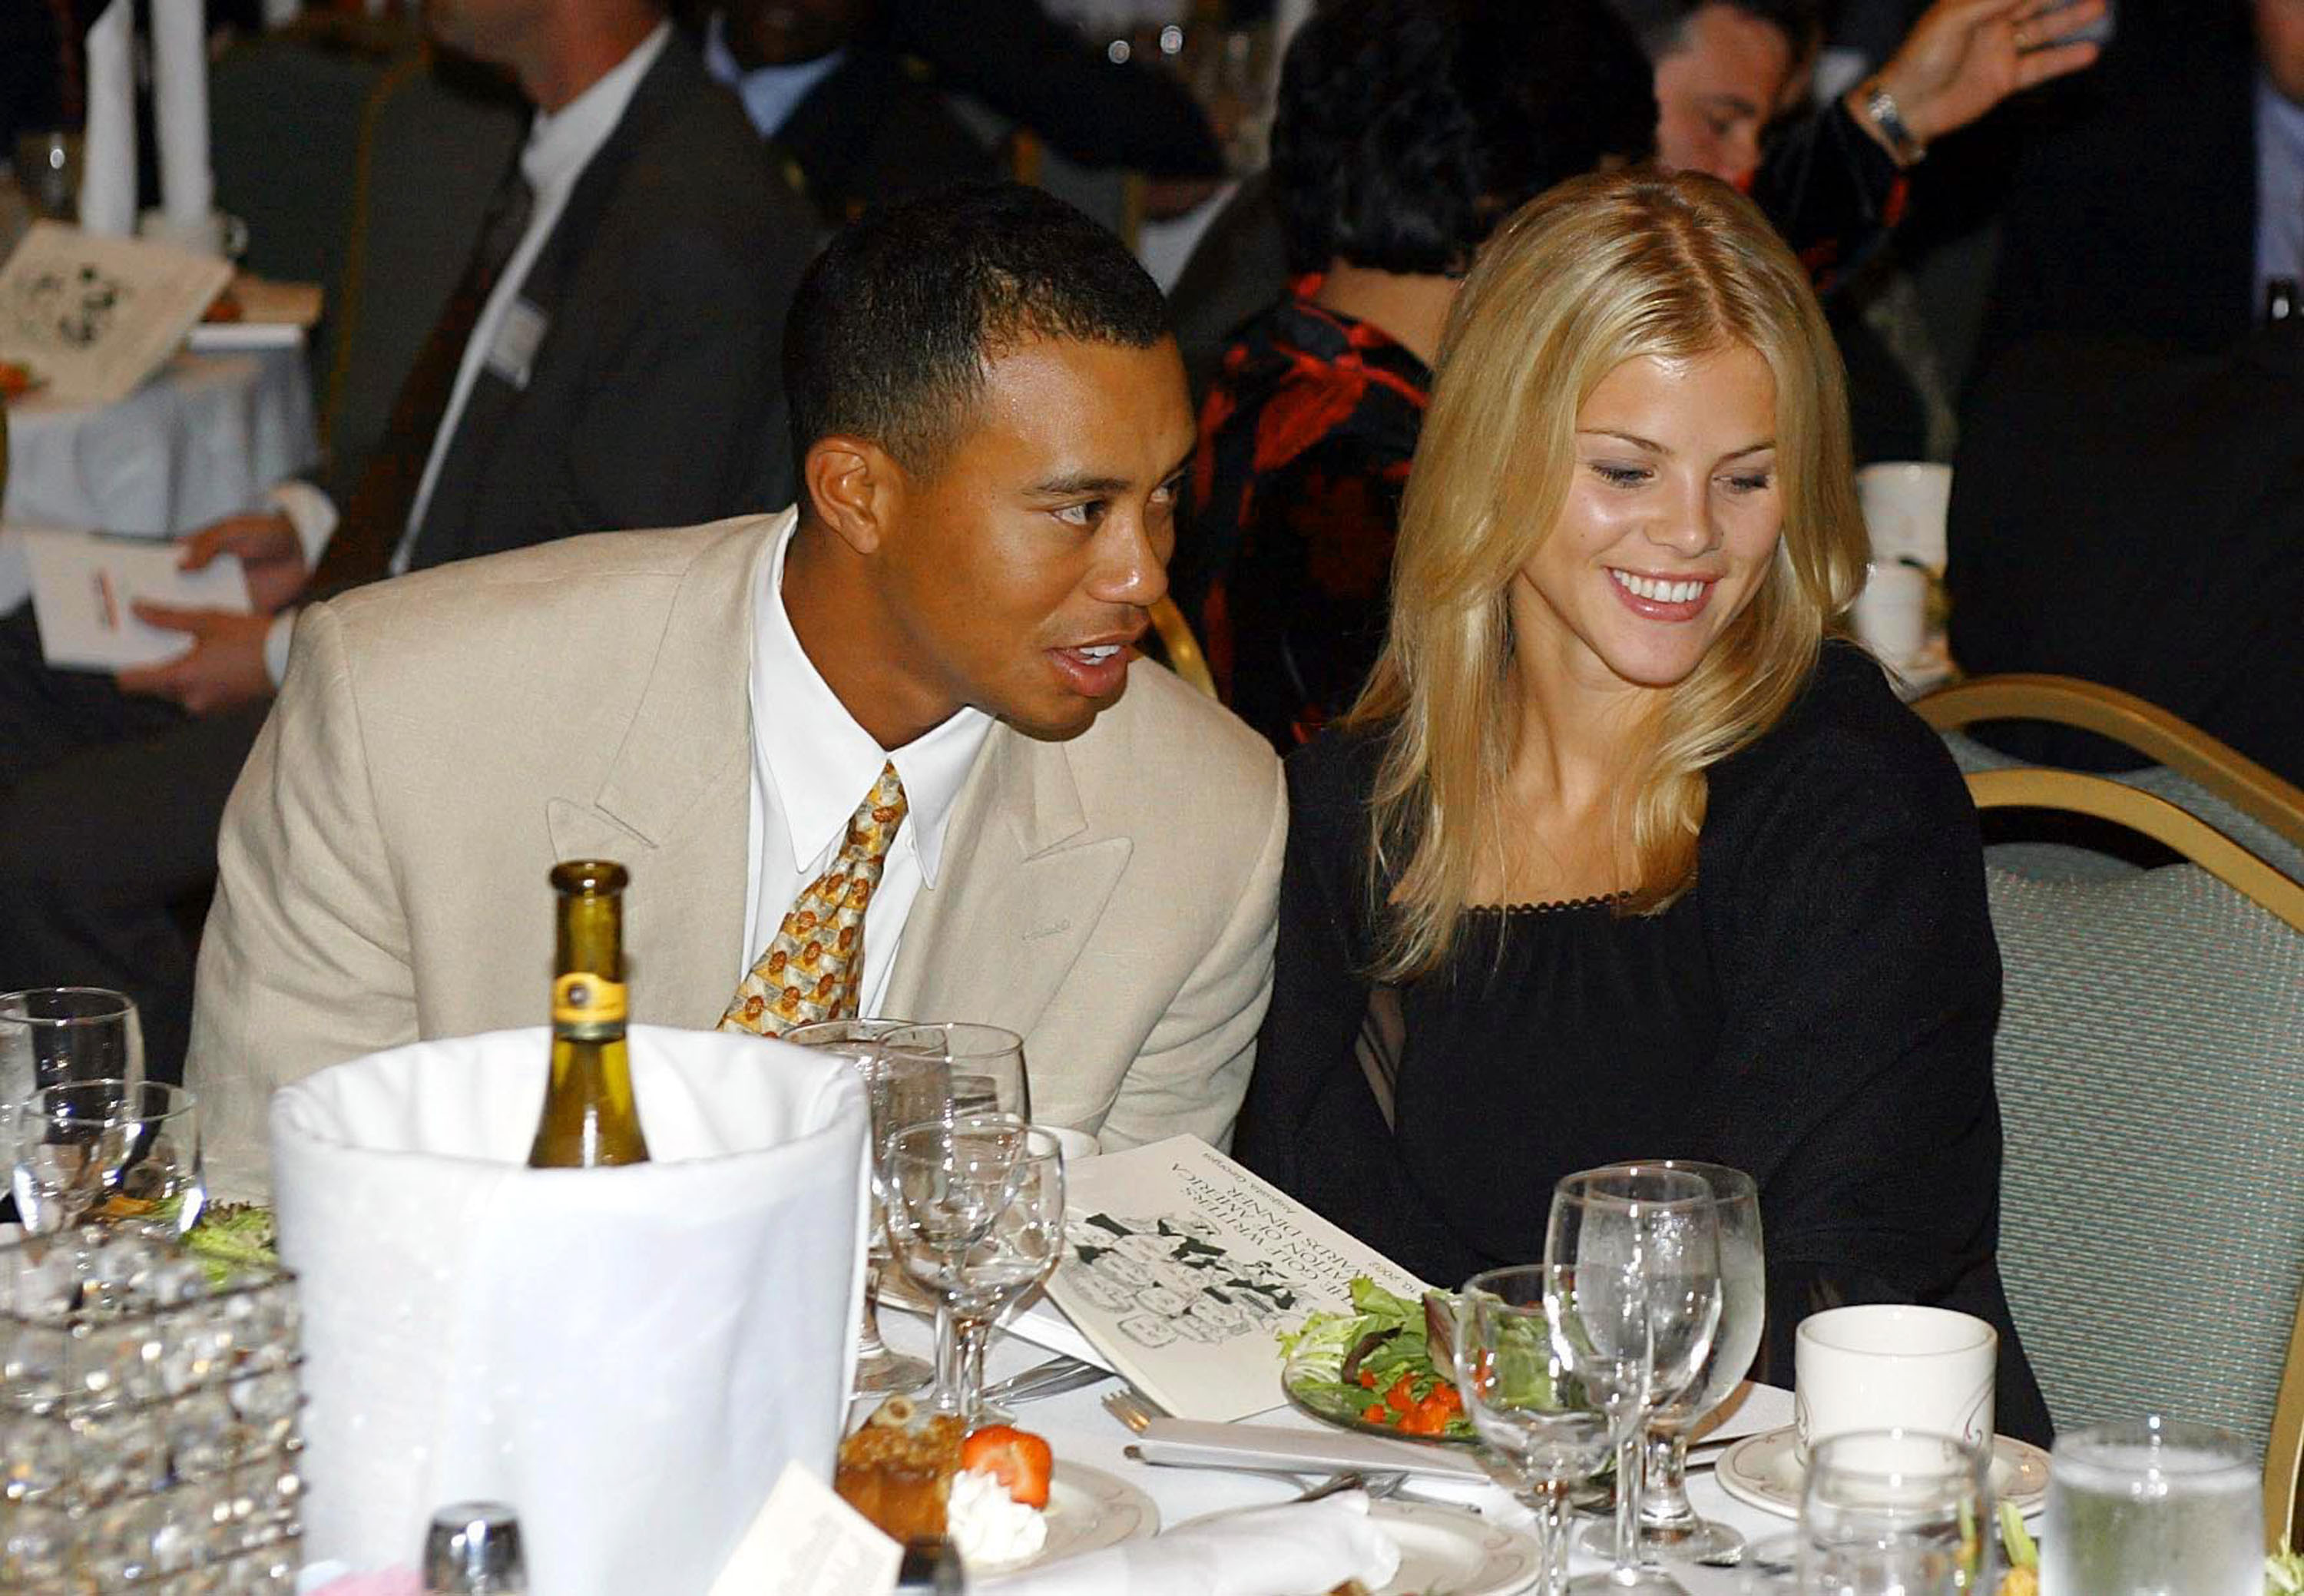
x,y
224,669
269,551
1964,57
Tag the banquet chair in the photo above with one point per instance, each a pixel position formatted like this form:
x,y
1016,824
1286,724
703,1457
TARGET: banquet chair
x,y
2191,769
2151,1040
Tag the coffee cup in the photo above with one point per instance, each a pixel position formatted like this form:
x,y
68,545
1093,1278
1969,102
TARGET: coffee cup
x,y
1891,1365
1905,503
1891,616
1076,1144
215,234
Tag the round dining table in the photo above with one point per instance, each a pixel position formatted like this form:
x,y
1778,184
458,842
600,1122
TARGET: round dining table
x,y
1081,1431
204,438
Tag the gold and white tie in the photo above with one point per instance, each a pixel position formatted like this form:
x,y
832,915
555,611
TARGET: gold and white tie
x,y
814,966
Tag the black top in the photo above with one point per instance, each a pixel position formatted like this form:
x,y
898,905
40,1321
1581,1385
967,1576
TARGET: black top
x,y
1818,1011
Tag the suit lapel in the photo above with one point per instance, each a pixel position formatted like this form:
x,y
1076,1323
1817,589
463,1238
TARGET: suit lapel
x,y
675,800
1026,880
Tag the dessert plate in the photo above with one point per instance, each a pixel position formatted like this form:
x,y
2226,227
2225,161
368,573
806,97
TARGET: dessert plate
x,y
1088,1510
1765,1471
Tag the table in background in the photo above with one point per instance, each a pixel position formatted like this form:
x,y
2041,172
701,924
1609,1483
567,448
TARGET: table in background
x,y
204,438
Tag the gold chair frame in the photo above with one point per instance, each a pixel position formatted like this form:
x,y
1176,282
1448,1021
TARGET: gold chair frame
x,y
2108,712
1183,648
2071,792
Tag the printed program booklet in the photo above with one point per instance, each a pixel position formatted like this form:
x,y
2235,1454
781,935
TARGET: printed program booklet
x,y
93,317
1183,1268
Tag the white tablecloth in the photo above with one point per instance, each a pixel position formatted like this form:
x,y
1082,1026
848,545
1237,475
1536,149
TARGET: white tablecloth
x,y
1081,1431
203,439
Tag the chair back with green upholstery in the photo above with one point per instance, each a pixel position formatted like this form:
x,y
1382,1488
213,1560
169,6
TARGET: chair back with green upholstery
x,y
2150,1061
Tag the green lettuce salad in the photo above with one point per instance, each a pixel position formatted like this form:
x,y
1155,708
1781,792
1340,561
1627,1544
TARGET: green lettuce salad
x,y
1375,1368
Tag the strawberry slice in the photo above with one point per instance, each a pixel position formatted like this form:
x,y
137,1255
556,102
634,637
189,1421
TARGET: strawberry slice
x,y
1018,1459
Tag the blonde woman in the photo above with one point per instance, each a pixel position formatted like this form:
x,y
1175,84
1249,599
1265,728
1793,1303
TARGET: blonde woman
x,y
1622,853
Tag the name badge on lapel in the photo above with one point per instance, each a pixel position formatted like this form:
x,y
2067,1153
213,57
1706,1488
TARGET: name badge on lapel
x,y
512,354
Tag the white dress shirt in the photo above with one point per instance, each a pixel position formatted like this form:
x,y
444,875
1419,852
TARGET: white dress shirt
x,y
811,770
561,144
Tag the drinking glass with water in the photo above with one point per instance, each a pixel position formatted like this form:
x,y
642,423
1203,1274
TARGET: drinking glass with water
x,y
2151,1504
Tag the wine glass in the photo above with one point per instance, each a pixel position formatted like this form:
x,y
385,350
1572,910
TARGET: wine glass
x,y
1634,1298
52,1035
902,1088
1670,1531
1898,1513
2152,1505
977,1217
115,1151
1529,1410
987,1062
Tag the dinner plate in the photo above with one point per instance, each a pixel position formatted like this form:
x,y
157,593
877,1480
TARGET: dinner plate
x,y
1765,1471
1455,1550
1088,1510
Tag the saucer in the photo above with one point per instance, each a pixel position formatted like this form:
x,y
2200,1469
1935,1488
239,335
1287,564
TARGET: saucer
x,y
1765,1471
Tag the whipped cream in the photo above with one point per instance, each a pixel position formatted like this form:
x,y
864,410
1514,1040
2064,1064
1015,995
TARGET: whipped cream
x,y
988,1526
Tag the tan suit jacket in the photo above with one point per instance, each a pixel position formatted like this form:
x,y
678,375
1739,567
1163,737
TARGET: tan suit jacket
x,y
442,740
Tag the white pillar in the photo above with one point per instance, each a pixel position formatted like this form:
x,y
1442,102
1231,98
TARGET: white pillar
x,y
179,112
107,179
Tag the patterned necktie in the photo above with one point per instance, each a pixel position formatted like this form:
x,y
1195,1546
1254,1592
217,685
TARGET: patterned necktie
x,y
813,967
376,516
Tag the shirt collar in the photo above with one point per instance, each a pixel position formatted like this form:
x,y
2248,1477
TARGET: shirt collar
x,y
820,763
562,143
770,94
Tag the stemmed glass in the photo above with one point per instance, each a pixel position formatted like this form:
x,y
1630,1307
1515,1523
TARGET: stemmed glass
x,y
1634,1300
902,1088
52,1035
977,1217
987,1062
1526,1405
115,1151
1896,1513
1670,1531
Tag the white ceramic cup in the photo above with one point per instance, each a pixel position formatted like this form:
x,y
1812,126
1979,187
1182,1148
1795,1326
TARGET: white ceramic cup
x,y
1904,505
215,233
1888,1365
1891,616
1076,1144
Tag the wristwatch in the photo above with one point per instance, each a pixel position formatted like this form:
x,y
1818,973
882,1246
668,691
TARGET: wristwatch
x,y
1880,106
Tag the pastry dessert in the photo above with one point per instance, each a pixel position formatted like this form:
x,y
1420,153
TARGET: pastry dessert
x,y
897,1469
913,1474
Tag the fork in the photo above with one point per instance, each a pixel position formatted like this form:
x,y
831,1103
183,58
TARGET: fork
x,y
1132,1408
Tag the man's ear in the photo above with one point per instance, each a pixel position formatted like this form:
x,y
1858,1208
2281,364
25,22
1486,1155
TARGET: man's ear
x,y
856,486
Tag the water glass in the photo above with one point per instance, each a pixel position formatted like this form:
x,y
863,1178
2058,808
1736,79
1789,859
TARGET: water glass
x,y
53,1035
1530,1411
987,1063
902,1088
1897,1513
2150,1504
1671,1530
1633,1295
976,1218
117,1153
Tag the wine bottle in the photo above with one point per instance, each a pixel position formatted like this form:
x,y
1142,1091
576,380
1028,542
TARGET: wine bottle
x,y
590,1117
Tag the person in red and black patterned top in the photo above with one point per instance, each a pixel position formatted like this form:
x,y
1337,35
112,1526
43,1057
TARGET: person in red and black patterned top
x,y
1405,130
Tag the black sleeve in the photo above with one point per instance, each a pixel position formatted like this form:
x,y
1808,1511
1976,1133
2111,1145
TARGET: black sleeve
x,y
1832,192
1304,1053
1853,942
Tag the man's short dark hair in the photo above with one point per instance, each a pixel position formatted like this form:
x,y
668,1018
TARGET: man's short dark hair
x,y
892,328
1406,130
1661,25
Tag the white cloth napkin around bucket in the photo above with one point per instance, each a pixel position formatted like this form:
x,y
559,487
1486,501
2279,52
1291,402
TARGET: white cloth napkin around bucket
x,y
627,1357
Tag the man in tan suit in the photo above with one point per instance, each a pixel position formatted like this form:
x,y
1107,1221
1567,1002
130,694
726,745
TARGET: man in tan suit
x,y
933,648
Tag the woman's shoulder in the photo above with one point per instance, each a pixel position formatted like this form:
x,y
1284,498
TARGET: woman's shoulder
x,y
1332,777
1847,739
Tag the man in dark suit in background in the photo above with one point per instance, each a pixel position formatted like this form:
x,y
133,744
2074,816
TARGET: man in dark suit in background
x,y
854,124
608,360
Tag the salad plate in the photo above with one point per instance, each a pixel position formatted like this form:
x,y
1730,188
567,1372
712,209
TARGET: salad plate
x,y
1765,1471
1373,1370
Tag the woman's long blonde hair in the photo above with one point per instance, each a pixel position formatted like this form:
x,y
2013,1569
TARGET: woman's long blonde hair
x,y
1597,271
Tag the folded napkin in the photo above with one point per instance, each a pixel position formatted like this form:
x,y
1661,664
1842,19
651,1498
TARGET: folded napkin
x,y
628,1356
1296,1549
